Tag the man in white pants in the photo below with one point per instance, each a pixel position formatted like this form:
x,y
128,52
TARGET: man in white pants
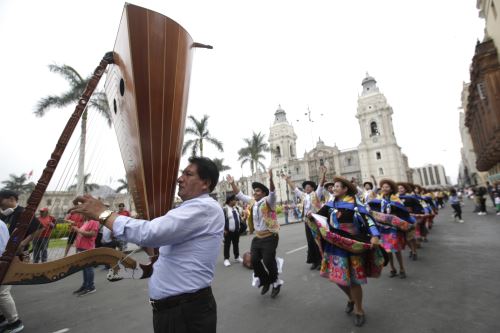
x,y
9,320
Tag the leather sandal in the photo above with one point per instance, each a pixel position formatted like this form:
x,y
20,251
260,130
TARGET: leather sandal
x,y
393,273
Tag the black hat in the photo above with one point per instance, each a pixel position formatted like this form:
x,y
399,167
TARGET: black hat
x,y
369,183
229,198
308,182
5,194
261,186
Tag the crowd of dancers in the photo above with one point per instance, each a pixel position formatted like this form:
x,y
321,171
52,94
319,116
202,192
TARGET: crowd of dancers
x,y
351,232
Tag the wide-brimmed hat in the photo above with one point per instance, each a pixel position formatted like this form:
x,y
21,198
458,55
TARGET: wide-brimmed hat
x,y
261,186
328,184
229,198
367,182
351,188
391,183
309,182
5,194
407,186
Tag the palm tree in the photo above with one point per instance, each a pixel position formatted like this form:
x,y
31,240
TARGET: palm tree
x,y
87,187
200,131
18,184
123,185
219,162
253,152
77,85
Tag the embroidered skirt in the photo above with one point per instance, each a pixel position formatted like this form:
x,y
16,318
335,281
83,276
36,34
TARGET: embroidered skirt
x,y
393,240
343,270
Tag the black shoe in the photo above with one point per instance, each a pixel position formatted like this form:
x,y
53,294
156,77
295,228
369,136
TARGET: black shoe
x,y
275,291
411,255
314,266
79,290
14,327
414,257
393,274
349,307
402,275
319,267
265,289
359,320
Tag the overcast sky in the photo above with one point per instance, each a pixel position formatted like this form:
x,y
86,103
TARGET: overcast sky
x,y
295,53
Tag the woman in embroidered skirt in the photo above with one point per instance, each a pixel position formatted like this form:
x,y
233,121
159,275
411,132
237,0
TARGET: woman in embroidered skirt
x,y
345,268
392,239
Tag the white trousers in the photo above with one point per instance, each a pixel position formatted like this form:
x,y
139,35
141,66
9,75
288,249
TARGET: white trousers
x,y
7,305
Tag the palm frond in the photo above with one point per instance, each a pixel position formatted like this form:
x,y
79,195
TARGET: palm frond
x,y
186,146
68,73
215,142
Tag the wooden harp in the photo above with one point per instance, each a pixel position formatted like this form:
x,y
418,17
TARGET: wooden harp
x,y
147,87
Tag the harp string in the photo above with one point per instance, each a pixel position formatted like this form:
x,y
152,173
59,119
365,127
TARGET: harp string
x,y
94,157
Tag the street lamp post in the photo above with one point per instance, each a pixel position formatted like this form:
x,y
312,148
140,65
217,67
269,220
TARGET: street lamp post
x,y
278,175
288,173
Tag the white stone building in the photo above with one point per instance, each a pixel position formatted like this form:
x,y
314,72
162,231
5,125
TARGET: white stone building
x,y
377,156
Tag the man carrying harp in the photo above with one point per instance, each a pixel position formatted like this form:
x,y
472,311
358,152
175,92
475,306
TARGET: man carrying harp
x,y
189,238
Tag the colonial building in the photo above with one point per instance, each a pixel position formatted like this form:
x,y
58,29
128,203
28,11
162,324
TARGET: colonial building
x,y
483,105
468,175
377,156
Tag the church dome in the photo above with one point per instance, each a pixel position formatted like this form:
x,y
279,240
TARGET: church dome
x,y
368,79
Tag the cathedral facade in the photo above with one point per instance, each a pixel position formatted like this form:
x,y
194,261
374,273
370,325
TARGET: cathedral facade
x,y
377,156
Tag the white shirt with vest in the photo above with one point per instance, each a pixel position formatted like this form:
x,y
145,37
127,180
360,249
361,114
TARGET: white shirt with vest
x,y
230,216
258,219
307,198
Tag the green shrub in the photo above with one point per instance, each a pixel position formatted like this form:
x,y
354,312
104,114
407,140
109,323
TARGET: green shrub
x,y
62,229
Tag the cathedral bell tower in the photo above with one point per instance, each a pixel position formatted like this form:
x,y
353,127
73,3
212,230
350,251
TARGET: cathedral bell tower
x,y
379,154
282,140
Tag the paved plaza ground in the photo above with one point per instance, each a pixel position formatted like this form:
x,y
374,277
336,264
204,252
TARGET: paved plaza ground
x,y
453,287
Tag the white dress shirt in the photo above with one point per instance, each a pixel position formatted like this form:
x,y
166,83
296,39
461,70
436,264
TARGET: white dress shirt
x,y
4,236
189,238
307,198
258,219
230,216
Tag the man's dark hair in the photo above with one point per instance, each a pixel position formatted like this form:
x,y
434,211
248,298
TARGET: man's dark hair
x,y
5,194
207,170
121,204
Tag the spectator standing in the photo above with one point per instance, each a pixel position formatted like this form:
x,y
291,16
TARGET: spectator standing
x,y
76,220
41,242
481,193
232,226
9,319
122,245
286,211
497,202
85,240
456,205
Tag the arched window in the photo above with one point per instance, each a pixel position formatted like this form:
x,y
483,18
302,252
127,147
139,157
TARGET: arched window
x,y
291,151
374,128
278,151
